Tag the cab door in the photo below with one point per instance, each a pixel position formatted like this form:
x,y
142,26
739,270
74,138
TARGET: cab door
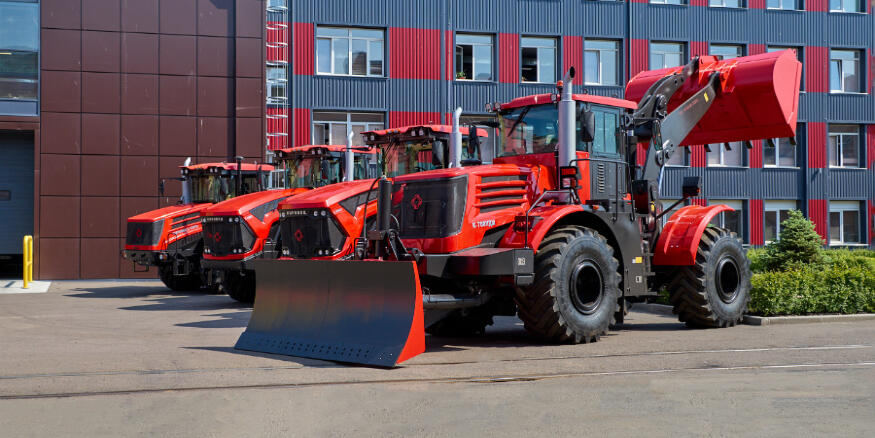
x,y
607,167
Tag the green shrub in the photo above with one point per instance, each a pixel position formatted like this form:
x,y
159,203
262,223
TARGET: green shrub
x,y
798,245
835,289
757,258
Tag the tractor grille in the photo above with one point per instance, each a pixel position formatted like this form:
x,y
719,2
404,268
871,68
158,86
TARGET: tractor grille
x,y
226,235
310,233
431,208
144,233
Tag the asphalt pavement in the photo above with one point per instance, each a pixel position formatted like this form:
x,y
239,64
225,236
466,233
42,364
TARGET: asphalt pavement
x,y
108,358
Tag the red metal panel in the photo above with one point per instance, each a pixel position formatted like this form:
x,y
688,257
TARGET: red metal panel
x,y
871,220
572,56
640,1
817,5
702,202
757,4
450,50
398,119
698,48
817,69
870,146
509,58
640,56
871,77
415,53
277,41
679,240
756,49
755,207
700,3
302,126
304,49
698,156
817,214
816,145
756,154
277,128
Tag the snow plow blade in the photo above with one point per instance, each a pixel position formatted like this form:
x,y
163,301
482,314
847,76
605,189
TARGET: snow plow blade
x,y
759,96
367,312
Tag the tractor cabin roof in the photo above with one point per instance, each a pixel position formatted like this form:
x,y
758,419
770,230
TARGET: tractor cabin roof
x,y
246,167
444,129
537,99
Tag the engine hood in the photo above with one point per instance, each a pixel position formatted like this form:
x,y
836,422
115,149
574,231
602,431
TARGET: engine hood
x,y
168,212
240,205
327,196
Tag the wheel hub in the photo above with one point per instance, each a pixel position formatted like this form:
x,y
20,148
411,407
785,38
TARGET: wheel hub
x,y
728,279
586,287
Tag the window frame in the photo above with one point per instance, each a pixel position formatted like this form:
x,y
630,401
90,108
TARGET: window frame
x,y
35,50
683,53
617,59
777,206
669,2
492,54
349,38
281,82
778,165
841,207
742,4
799,6
743,161
860,60
861,7
840,145
368,126
738,205
556,60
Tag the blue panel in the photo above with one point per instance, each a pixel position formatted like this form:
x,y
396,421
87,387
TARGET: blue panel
x,y
850,183
856,108
16,185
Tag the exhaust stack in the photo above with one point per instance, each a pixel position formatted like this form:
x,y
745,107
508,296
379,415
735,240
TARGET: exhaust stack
x,y
567,120
186,187
348,163
456,140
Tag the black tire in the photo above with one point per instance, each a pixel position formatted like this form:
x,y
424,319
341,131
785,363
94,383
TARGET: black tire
x,y
241,287
461,323
179,283
576,290
716,290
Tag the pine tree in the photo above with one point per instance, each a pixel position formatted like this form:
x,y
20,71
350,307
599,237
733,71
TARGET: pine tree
x,y
797,245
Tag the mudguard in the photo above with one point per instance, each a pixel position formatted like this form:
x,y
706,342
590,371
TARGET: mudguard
x,y
367,312
679,240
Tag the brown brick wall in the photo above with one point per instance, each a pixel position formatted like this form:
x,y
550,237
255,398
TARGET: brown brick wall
x,y
129,89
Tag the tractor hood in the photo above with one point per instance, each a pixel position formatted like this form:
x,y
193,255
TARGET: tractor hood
x,y
168,212
327,196
240,205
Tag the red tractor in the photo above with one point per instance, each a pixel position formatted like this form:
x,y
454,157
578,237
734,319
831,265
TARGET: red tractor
x,y
236,231
325,223
561,230
170,237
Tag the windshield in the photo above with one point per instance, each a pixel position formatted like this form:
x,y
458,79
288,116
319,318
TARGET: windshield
x,y
314,172
217,188
529,130
418,156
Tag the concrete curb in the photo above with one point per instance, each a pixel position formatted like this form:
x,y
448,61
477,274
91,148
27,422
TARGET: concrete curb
x,y
665,310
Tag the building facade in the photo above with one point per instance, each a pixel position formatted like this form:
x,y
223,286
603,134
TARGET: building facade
x,y
101,98
361,64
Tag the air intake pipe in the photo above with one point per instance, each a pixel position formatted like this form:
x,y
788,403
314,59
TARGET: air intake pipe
x,y
186,186
348,163
456,140
567,120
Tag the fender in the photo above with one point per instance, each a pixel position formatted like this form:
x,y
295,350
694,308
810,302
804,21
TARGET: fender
x,y
679,240
547,217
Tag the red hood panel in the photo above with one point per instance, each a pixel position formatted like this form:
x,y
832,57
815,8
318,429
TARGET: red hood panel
x,y
242,204
327,195
168,212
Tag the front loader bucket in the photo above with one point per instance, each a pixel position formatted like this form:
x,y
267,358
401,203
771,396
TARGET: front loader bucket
x,y
758,97
367,312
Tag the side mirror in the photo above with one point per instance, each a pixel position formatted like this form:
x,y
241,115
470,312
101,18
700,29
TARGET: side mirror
x,y
438,154
587,126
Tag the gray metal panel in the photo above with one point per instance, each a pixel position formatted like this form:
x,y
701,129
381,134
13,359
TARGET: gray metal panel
x,y
775,183
851,183
19,107
855,108
16,176
340,92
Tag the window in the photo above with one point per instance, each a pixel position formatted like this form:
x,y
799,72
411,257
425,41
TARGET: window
x,y
726,3
19,50
775,212
844,222
601,59
731,220
779,152
798,51
276,85
331,127
606,124
726,154
538,59
785,5
668,2
844,146
846,6
349,51
664,55
487,145
726,51
473,57
844,71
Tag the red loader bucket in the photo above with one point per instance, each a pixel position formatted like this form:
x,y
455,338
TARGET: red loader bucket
x,y
759,97
367,312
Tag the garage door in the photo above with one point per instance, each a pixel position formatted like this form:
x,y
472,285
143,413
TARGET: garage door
x,y
16,189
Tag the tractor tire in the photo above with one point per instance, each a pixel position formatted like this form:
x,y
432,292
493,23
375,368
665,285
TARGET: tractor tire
x,y
241,287
460,323
576,290
715,291
179,283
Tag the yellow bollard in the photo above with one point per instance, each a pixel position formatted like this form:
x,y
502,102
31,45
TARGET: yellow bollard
x,y
27,277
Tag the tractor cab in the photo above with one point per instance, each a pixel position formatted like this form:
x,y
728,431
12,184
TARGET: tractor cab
x,y
412,149
314,166
210,183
